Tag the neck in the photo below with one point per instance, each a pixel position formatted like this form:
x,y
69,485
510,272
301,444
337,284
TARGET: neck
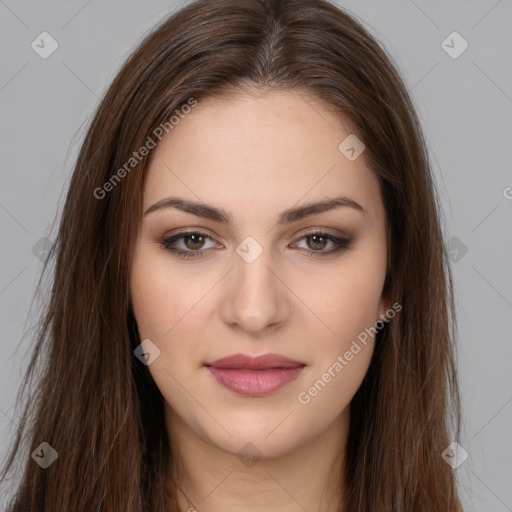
x,y
210,479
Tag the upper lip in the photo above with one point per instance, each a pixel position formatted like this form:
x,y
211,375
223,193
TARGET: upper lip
x,y
265,361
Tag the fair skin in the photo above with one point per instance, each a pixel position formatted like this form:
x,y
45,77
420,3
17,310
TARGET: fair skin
x,y
255,155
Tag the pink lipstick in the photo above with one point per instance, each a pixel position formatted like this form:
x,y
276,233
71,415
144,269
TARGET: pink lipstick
x,y
255,376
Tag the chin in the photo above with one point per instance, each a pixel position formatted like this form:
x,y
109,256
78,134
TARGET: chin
x,y
250,448
268,439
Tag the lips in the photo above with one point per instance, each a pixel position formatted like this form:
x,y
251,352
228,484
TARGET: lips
x,y
255,376
241,361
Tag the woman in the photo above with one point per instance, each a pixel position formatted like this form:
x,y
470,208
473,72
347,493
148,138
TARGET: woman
x,y
252,306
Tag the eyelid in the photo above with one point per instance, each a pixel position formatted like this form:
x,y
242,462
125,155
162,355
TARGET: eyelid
x,y
324,231
167,239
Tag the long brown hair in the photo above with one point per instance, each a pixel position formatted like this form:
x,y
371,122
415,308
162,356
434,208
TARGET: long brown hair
x,y
97,406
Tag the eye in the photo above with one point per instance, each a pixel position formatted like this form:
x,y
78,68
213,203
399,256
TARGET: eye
x,y
317,241
193,242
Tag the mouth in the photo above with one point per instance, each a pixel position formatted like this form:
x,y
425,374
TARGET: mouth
x,y
255,376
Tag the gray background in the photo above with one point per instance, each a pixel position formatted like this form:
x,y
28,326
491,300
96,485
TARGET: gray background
x,y
465,105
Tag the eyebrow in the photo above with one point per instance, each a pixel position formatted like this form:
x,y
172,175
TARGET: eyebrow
x,y
286,217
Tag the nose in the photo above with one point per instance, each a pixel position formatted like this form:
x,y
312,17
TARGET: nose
x,y
255,297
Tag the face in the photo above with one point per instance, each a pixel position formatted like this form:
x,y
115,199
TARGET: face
x,y
239,275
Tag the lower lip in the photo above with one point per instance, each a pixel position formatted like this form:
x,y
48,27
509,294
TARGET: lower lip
x,y
255,382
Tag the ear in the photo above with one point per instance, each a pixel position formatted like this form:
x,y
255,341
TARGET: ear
x,y
385,302
384,305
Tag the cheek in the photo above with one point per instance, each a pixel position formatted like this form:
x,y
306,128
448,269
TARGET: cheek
x,y
161,297
169,307
163,304
345,300
349,310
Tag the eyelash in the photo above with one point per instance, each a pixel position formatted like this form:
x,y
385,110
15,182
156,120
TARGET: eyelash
x,y
167,243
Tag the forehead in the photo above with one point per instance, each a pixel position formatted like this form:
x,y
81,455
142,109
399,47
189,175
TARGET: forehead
x,y
265,150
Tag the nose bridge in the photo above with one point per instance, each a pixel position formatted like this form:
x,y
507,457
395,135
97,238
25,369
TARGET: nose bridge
x,y
255,300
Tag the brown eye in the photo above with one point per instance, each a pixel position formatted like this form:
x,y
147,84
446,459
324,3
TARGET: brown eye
x,y
194,241
188,245
317,242
322,244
